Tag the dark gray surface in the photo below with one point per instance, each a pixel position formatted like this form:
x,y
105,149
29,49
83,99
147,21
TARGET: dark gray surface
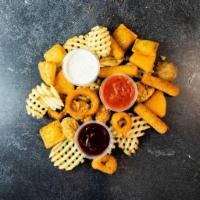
x,y
164,168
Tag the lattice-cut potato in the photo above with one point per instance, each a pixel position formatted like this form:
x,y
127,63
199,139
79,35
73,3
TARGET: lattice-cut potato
x,y
41,99
76,42
49,96
130,143
66,156
99,41
35,106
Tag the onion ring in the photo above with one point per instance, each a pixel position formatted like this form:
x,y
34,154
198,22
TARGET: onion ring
x,y
84,92
106,164
122,123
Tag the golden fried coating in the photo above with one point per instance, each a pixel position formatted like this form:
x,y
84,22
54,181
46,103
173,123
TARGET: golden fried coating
x,y
122,123
145,62
86,119
69,127
84,92
147,115
124,36
55,54
166,70
47,72
144,92
116,50
56,115
92,86
130,70
161,84
52,134
62,85
103,114
110,61
106,164
145,47
80,105
157,103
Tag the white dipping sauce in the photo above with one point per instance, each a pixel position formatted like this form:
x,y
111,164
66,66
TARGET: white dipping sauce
x,y
81,67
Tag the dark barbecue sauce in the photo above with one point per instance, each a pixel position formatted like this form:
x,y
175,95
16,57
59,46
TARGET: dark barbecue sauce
x,y
93,139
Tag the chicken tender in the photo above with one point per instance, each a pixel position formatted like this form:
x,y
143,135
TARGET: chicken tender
x,y
69,127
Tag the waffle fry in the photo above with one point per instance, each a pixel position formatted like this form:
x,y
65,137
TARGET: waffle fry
x,y
92,86
73,105
41,99
49,96
138,126
130,143
66,156
76,42
35,106
99,41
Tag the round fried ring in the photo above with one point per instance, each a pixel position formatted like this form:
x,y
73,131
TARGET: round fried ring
x,y
106,164
116,118
85,92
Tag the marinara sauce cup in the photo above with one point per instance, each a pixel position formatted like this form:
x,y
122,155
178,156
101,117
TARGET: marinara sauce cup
x,y
118,92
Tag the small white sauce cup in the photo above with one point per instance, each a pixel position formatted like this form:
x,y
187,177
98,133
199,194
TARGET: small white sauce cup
x,y
81,67
106,151
133,101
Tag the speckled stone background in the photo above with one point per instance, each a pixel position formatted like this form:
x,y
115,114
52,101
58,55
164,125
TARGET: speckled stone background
x,y
164,168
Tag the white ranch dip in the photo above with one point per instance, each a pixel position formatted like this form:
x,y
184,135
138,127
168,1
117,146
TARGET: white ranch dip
x,y
81,67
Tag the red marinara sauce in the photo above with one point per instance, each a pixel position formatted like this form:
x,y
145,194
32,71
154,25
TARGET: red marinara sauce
x,y
118,92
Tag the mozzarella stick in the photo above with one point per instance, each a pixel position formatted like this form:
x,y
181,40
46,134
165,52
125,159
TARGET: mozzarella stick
x,y
151,118
130,70
161,84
